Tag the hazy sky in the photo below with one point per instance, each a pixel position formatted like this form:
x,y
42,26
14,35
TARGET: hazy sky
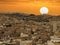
x,y
30,6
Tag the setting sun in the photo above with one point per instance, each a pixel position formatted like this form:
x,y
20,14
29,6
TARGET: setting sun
x,y
44,10
30,6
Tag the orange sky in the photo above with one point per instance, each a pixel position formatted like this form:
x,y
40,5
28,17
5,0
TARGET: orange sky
x,y
30,6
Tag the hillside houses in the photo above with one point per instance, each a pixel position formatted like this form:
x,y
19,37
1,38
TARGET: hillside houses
x,y
28,27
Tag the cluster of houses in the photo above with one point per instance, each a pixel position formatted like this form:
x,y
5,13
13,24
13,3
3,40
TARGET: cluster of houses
x,y
18,29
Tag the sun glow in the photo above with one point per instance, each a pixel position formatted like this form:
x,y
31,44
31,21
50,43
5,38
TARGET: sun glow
x,y
44,10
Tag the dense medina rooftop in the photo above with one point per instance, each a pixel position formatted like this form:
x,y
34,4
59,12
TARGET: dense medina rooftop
x,y
29,26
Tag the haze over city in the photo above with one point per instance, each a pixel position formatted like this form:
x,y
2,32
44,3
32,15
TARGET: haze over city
x,y
30,6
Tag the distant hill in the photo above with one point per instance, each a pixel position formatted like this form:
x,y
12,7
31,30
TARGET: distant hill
x,y
32,16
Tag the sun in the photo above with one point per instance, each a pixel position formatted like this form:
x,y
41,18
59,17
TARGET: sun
x,y
44,10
